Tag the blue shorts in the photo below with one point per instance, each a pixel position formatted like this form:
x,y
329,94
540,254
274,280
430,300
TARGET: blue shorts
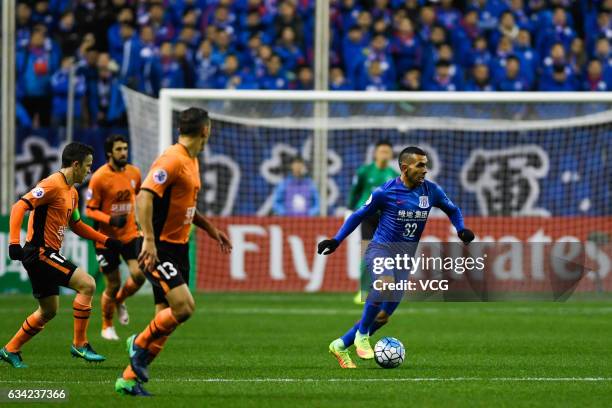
x,y
391,261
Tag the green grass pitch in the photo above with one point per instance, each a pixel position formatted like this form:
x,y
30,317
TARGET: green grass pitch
x,y
270,350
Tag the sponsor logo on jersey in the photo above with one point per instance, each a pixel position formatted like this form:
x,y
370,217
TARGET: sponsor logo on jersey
x,y
88,194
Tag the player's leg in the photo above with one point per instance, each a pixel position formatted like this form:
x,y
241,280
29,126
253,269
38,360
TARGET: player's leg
x,y
85,285
168,278
32,325
387,309
109,266
130,252
112,281
364,282
131,286
47,270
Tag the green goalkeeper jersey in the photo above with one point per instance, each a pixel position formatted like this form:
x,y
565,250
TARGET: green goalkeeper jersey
x,y
368,177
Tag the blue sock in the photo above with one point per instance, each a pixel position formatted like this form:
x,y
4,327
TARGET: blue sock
x,y
388,308
349,337
370,310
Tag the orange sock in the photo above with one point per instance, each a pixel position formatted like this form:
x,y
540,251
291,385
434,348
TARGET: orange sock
x,y
81,308
108,310
30,328
163,324
129,288
154,348
129,374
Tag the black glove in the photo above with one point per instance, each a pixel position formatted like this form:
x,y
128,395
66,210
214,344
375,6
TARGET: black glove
x,y
15,252
466,236
118,220
113,244
328,244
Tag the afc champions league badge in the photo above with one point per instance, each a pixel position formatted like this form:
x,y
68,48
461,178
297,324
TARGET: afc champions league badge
x,y
424,202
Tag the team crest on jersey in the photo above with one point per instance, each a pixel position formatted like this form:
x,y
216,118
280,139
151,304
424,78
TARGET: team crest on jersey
x,y
88,194
38,192
160,176
424,201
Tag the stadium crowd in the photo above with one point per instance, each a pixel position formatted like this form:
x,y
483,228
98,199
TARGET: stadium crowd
x,y
376,45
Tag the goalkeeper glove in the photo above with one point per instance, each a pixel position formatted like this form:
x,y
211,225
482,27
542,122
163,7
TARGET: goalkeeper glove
x,y
15,252
466,236
328,244
113,244
118,221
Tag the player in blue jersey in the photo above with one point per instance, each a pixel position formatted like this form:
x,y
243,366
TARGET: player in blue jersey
x,y
404,204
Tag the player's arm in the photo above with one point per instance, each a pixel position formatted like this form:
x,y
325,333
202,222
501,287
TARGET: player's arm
x,y
17,213
453,212
224,242
162,175
85,231
42,194
95,194
356,188
144,211
374,203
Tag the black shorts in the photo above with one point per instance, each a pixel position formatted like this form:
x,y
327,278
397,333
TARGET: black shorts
x,y
171,271
47,269
368,226
109,260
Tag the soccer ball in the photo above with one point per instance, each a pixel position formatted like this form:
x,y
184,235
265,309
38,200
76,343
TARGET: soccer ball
x,y
389,352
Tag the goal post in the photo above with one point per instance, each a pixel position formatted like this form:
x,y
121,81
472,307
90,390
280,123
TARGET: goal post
x,y
527,167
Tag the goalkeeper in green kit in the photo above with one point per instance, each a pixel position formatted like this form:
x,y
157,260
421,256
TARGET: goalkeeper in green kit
x,y
368,177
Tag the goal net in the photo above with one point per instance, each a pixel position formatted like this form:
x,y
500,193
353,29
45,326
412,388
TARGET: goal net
x,y
526,169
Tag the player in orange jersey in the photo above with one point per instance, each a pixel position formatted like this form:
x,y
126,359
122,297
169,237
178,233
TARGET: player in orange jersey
x,y
54,206
111,199
166,209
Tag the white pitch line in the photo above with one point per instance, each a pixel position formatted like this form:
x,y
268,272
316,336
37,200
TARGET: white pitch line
x,y
331,380
403,310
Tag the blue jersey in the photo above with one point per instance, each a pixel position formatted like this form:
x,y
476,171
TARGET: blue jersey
x,y
403,212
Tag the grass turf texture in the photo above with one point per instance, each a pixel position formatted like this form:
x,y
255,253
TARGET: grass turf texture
x,y
271,350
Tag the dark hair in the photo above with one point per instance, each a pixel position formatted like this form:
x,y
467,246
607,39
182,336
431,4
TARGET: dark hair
x,y
297,158
75,151
109,143
408,151
383,142
192,121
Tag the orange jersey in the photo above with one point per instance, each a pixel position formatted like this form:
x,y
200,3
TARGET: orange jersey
x,y
114,193
52,202
174,178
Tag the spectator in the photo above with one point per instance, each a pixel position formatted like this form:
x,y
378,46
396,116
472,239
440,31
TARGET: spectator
x,y
115,39
442,79
35,65
149,62
406,47
512,80
274,78
288,50
172,76
183,56
595,80
231,77
206,65
560,80
67,34
411,81
352,48
527,54
60,86
305,78
558,32
287,17
104,101
297,194
337,80
23,15
447,15
42,15
480,80
507,28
